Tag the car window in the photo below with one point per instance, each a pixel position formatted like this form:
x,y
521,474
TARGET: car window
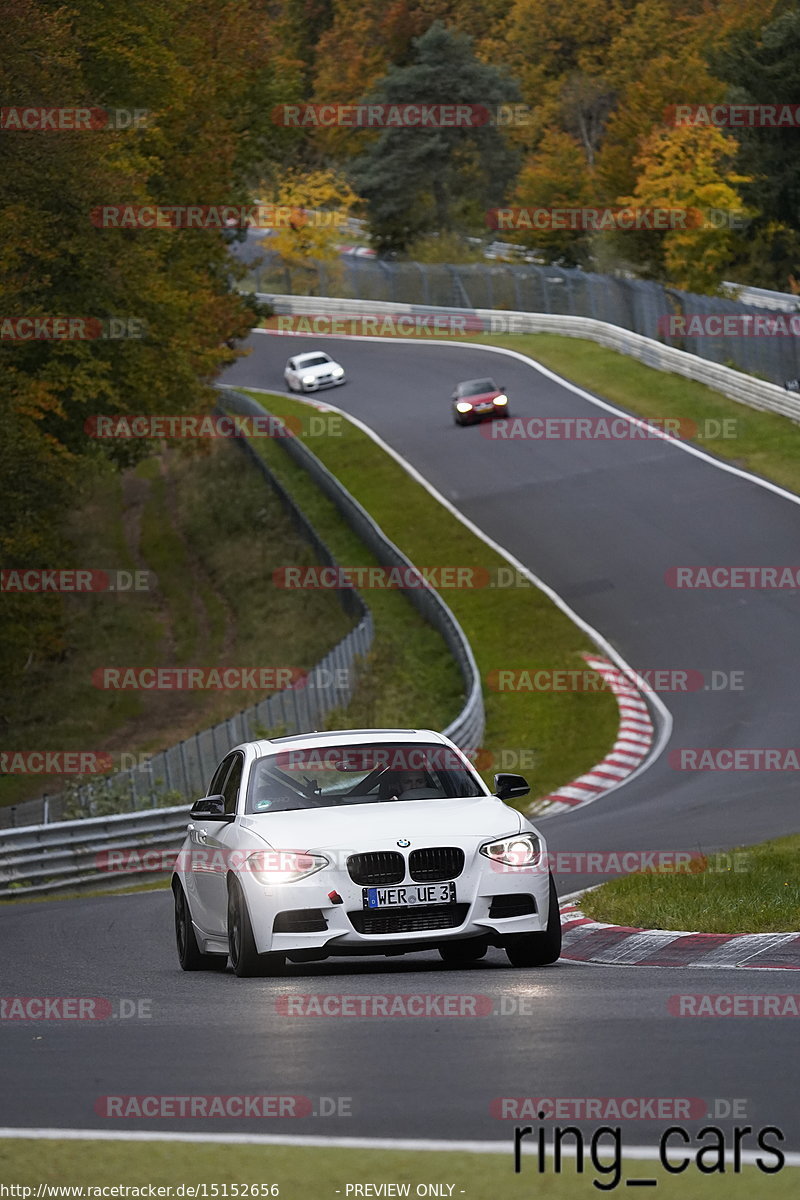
x,y
331,776
231,788
315,360
476,387
218,779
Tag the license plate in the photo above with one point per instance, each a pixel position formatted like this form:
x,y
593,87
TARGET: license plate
x,y
484,407
409,894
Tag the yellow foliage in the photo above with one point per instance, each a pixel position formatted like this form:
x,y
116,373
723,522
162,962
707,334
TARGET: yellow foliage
x,y
687,168
321,201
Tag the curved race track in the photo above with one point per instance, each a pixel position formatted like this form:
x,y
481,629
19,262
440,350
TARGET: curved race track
x,y
601,523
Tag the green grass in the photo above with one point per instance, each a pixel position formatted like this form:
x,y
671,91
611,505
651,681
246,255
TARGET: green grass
x,y
507,627
409,677
317,1173
210,604
759,893
165,552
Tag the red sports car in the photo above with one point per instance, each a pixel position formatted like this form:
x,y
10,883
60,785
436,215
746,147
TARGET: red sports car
x,y
475,399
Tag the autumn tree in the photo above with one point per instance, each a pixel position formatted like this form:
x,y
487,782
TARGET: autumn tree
x,y
206,80
688,170
766,71
557,176
418,179
319,202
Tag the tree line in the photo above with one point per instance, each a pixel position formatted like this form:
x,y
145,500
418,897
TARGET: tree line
x,y
596,81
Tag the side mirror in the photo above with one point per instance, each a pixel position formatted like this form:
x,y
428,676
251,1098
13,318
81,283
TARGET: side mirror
x,y
510,787
210,808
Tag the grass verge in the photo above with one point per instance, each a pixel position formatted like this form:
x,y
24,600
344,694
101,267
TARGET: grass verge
x,y
562,733
409,677
302,1172
754,889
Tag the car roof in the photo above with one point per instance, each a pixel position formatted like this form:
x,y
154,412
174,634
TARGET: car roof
x,y
473,382
342,737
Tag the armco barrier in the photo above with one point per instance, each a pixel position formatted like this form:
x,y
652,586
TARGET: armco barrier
x,y
638,305
63,856
467,729
747,390
68,855
185,769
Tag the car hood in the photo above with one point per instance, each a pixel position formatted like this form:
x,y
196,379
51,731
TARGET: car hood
x,y
379,826
483,398
319,369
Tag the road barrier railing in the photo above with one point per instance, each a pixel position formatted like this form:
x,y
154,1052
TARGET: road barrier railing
x,y
70,855
642,306
756,393
185,769
467,728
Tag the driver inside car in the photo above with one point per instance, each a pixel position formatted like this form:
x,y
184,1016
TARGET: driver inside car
x,y
395,784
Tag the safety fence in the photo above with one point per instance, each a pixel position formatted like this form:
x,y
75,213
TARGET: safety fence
x,y
98,851
68,855
754,392
638,305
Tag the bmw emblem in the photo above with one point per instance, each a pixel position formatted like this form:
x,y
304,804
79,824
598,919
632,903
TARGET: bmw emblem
x,y
403,842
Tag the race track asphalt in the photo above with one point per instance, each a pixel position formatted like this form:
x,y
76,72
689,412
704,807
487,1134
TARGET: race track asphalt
x,y
601,522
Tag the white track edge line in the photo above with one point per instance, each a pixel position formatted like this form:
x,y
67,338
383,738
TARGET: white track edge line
x,y
663,728
641,422
640,1153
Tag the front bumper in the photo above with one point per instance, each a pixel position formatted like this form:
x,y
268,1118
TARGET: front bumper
x,y
482,896
319,385
478,414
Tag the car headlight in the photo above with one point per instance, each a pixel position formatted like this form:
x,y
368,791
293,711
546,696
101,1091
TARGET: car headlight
x,y
337,372
308,379
521,850
284,866
462,407
500,400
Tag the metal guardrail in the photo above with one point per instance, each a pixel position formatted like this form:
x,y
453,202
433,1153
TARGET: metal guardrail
x,y
65,856
637,305
184,769
756,393
763,297
467,729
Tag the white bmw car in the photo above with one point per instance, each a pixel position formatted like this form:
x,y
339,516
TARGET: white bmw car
x,y
358,842
312,371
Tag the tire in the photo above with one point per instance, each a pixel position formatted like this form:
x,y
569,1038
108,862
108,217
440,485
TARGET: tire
x,y
190,956
538,949
245,959
458,954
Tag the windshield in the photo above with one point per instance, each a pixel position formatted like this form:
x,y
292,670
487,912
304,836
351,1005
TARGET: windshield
x,y
477,387
315,360
377,772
